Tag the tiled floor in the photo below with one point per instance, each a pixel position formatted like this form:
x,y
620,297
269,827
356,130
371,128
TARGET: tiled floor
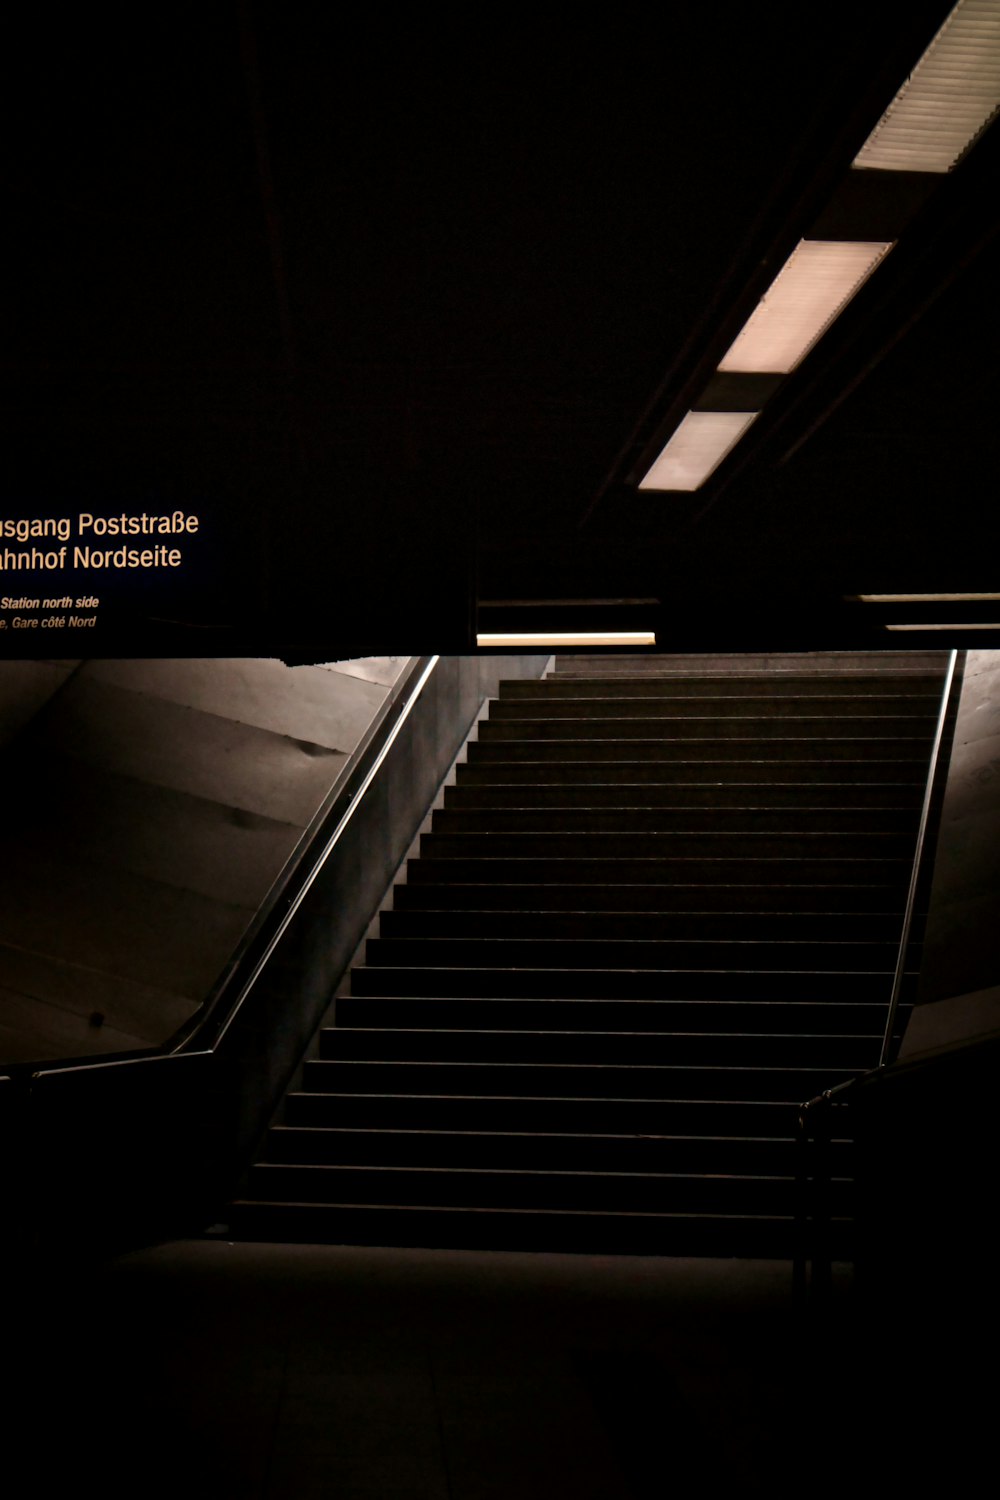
x,y
265,1372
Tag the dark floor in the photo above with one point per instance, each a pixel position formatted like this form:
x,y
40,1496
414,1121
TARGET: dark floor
x,y
215,1369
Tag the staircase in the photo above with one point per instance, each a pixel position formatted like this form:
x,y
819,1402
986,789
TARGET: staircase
x,y
659,908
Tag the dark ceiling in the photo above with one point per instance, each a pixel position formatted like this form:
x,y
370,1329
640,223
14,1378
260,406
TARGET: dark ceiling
x,y
394,301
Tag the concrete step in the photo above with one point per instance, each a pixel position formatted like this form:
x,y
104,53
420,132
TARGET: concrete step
x,y
522,1188
802,1018
653,820
579,1232
774,664
830,869
784,753
625,984
784,709
618,926
666,847
436,891
571,1080
840,798
624,953
914,682
684,1049
761,729
490,766
533,1115
530,1149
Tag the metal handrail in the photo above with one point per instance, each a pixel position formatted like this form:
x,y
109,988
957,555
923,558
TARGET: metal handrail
x,y
815,1114
918,854
327,850
203,1031
219,1001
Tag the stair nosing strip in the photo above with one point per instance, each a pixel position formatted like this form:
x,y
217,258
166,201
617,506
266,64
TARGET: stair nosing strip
x,y
560,1099
667,1068
526,1135
513,1031
558,1213
715,1178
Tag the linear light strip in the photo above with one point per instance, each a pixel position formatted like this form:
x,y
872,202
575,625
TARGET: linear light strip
x,y
993,625
568,638
924,598
948,100
696,449
814,285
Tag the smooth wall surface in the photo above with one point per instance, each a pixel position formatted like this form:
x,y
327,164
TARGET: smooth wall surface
x,y
960,980
149,807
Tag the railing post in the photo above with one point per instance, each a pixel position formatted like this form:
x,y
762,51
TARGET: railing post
x,y
801,1205
822,1264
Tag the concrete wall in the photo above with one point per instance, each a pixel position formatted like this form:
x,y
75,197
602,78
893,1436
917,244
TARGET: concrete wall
x,y
149,807
959,993
123,1154
292,995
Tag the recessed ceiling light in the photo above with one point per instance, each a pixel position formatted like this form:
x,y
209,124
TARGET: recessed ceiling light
x,y
816,282
697,449
568,638
948,100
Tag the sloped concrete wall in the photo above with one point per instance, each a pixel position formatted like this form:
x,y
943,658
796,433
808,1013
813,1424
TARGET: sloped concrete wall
x,y
960,978
149,807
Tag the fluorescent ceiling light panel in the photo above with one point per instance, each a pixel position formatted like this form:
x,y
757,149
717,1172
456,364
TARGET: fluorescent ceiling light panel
x,y
924,598
568,638
948,100
816,283
956,626
697,449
